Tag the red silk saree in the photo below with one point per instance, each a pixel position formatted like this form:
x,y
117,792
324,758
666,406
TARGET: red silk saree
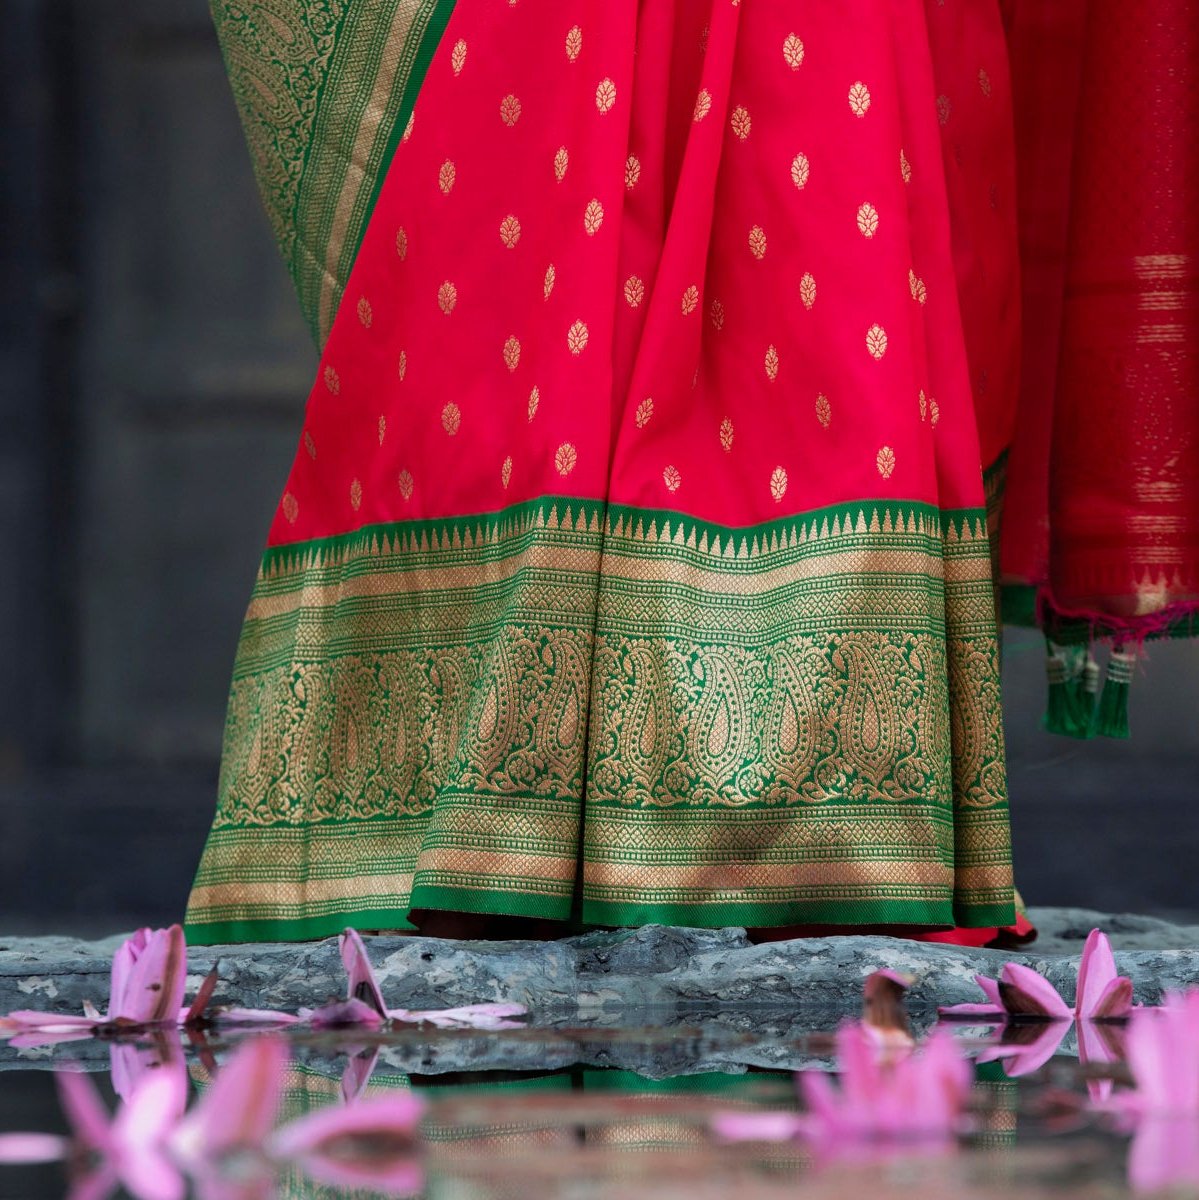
x,y
634,563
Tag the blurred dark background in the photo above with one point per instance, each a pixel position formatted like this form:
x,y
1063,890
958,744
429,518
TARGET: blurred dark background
x,y
153,369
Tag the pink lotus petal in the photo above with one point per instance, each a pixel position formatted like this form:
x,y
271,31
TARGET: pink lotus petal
x,y
1115,1001
1023,1057
239,1109
362,983
470,1016
357,1074
756,1127
1096,970
986,1013
151,990
1163,1055
345,1014
1025,993
139,1136
32,1148
252,1016
85,1111
373,1143
33,1041
132,1062
27,1020
1164,1155
123,962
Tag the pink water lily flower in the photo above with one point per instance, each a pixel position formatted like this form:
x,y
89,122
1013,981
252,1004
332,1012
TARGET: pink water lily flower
x,y
365,1008
131,1148
917,1098
1020,992
372,1144
146,990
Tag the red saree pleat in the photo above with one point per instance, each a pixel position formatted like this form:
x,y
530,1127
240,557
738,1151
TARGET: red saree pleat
x,y
1102,498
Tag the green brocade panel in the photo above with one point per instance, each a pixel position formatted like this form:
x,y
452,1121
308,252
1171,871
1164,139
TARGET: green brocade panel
x,y
323,88
656,718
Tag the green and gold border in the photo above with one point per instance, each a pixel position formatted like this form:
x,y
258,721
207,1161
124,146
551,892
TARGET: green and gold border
x,y
795,721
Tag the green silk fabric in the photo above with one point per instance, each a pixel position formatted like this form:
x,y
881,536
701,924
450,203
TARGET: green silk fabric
x,y
324,88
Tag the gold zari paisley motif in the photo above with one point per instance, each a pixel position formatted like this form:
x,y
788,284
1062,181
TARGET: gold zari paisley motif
x,y
798,721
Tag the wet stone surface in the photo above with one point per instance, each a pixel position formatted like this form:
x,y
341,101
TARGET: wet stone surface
x,y
711,980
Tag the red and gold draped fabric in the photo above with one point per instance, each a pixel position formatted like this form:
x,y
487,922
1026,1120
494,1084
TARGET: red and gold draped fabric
x,y
634,560
1102,514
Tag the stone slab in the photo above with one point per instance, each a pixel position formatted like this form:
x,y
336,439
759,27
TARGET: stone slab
x,y
657,999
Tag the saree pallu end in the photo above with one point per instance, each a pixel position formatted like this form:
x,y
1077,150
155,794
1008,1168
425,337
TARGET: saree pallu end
x,y
682,722
1103,503
324,89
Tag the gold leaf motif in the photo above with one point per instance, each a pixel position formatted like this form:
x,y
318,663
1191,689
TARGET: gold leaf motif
x,y
905,167
402,364
382,429
355,495
690,300
672,479
885,461
406,484
534,401
458,56
309,444
876,341
402,243
447,297
807,290
451,418
506,472
634,291
778,483
793,51
703,39
703,105
632,171
509,110
984,81
365,312
919,291
645,410
408,128
726,435
740,122
565,459
291,507
868,220
510,231
757,242
824,410
551,277
446,177
859,99
772,364
512,353
716,312
605,96
922,400
561,162
576,337
593,218
332,381
944,108
934,411
800,170
574,43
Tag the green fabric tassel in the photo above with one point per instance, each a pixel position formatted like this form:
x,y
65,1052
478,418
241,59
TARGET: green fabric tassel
x,y
1073,682
1111,715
